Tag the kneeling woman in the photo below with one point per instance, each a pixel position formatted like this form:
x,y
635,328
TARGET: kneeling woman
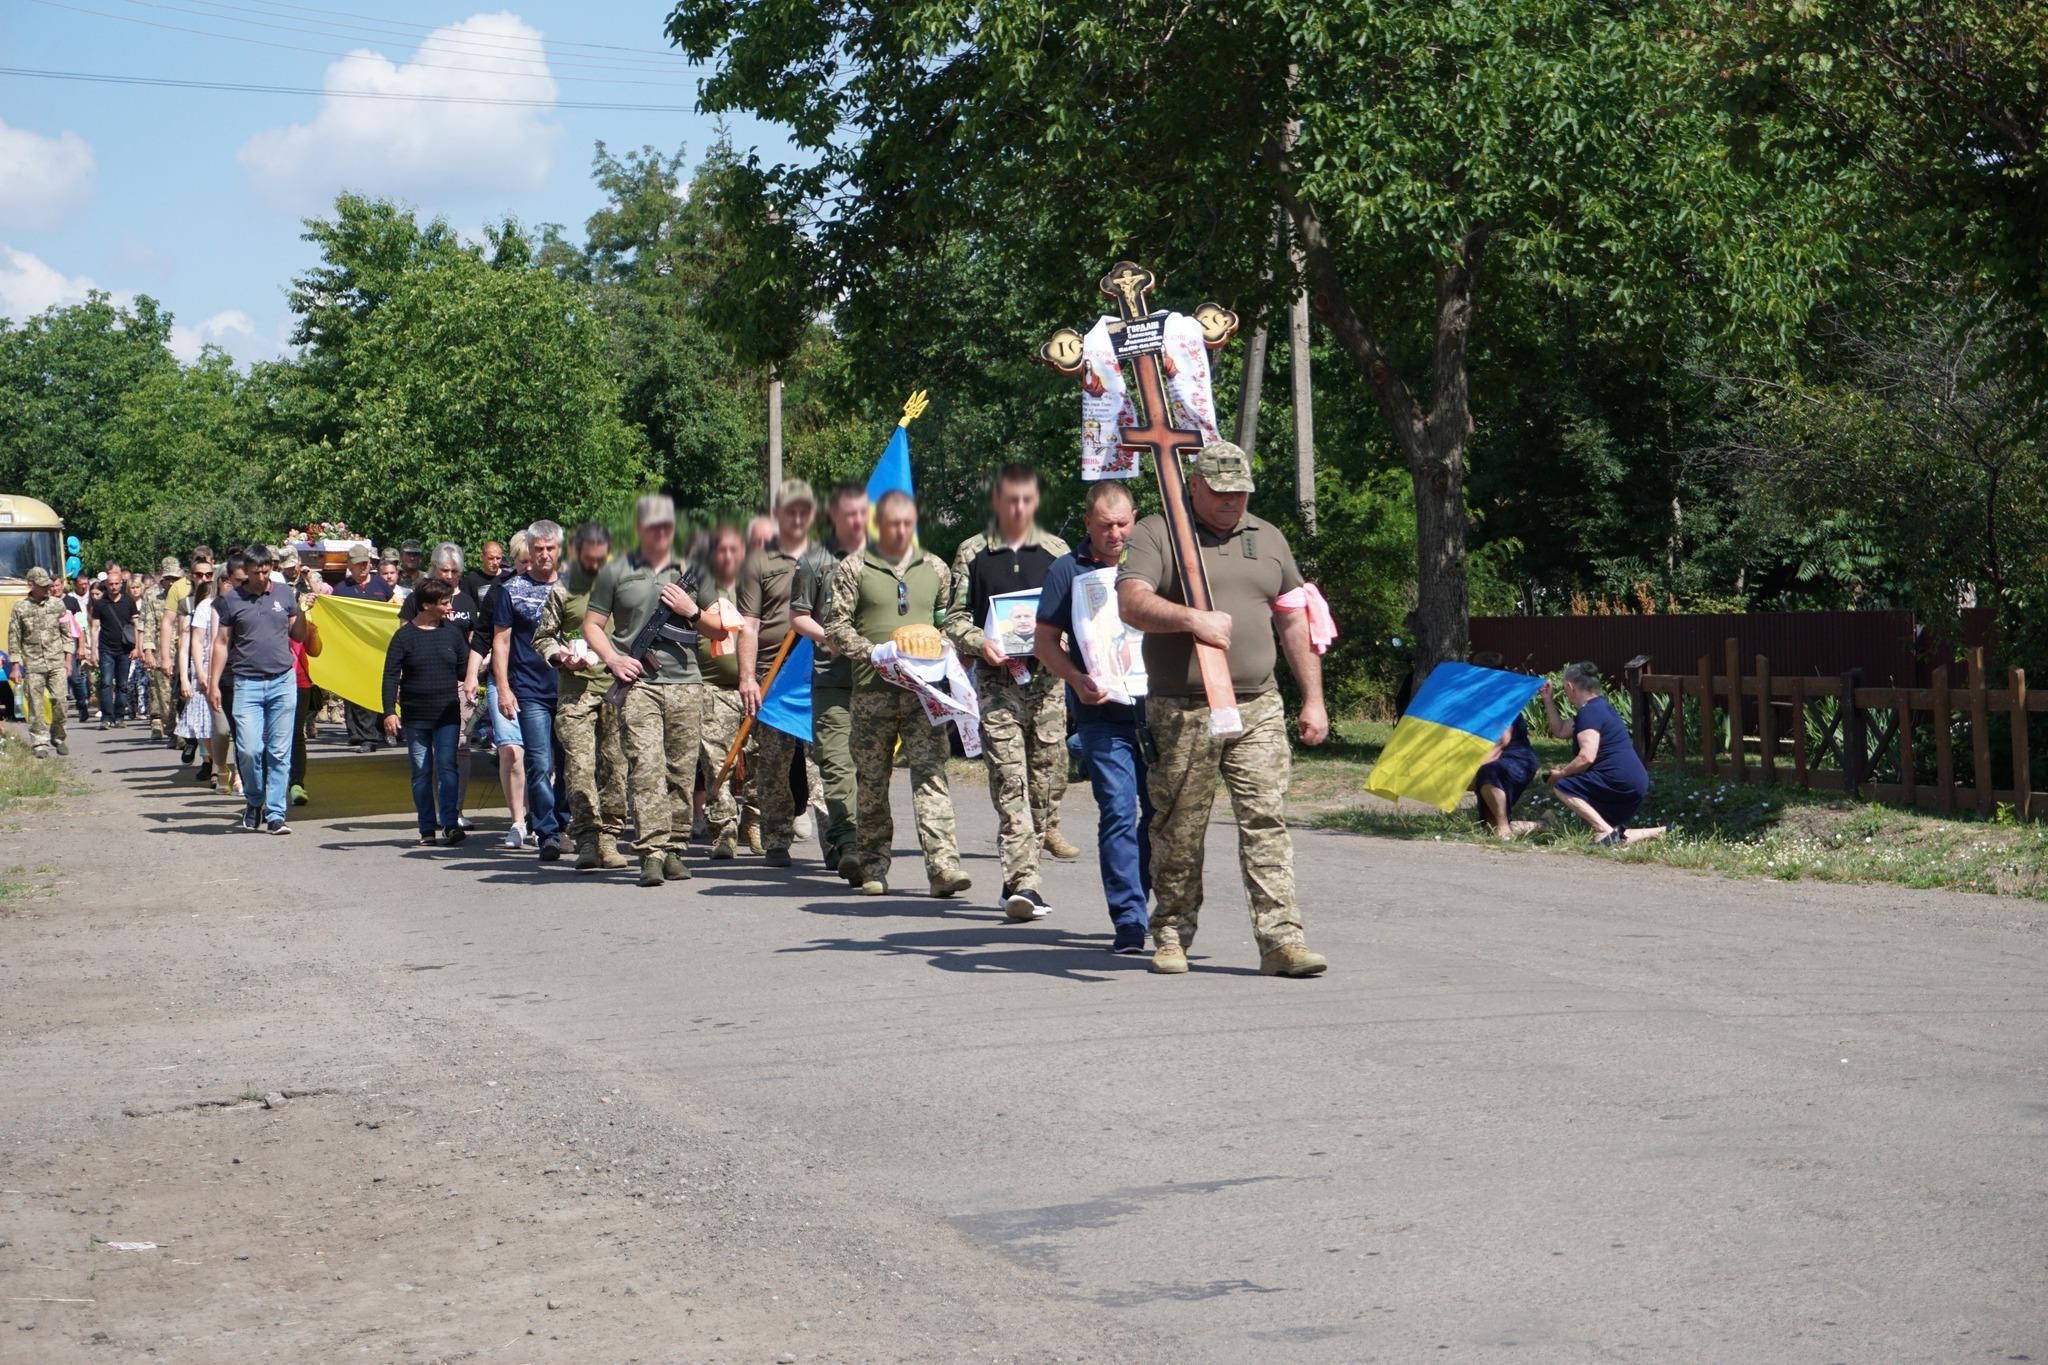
x,y
1605,783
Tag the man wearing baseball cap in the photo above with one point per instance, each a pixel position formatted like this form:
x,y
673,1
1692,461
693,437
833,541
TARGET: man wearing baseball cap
x,y
149,630
1249,567
766,582
363,727
40,653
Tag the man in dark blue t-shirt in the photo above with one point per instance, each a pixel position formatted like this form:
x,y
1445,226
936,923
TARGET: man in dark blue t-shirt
x,y
1106,731
526,682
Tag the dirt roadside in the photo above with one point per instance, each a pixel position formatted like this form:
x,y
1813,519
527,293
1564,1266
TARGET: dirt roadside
x,y
423,1183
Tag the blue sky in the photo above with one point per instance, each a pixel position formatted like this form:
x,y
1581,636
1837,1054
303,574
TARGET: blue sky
x,y
194,196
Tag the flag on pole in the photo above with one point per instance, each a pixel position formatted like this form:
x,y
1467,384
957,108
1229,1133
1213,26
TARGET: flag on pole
x,y
786,705
1450,727
354,635
893,472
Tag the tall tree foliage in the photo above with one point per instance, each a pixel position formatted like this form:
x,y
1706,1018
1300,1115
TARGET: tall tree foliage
x,y
1419,152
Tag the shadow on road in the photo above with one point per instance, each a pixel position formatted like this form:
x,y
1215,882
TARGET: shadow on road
x,y
1034,951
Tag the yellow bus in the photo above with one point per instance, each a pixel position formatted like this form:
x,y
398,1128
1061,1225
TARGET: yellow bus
x,y
31,536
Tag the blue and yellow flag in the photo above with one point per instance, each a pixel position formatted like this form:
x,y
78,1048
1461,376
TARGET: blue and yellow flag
x,y
786,705
893,471
354,632
1451,726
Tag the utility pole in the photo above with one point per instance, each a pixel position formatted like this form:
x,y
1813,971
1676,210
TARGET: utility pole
x,y
1304,418
774,433
1248,396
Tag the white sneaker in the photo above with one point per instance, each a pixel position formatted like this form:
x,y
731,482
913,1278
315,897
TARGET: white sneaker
x,y
515,837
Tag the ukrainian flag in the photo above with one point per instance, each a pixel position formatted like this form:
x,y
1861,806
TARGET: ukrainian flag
x,y
1451,726
786,705
354,635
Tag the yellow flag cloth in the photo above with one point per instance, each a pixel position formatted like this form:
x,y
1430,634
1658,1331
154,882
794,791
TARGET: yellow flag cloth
x,y
354,634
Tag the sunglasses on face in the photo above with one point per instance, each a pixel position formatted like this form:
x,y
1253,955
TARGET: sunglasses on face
x,y
902,598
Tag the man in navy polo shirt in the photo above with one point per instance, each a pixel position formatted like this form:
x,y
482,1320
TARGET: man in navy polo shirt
x,y
1107,731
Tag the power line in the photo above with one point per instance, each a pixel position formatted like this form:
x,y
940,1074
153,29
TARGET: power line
x,y
102,78
323,13
469,44
350,56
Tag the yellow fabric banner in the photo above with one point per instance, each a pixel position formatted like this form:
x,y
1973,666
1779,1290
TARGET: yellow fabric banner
x,y
354,634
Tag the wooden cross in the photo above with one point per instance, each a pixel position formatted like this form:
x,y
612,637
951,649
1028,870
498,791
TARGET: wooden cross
x,y
1138,330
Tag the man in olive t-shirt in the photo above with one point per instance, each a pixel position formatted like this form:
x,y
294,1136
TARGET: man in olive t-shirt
x,y
661,728
1249,567
767,589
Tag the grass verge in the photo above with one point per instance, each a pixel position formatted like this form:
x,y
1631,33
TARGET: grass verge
x,y
1746,830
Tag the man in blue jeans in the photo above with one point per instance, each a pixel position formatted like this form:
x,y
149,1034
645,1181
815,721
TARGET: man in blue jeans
x,y
1106,731
526,683
252,644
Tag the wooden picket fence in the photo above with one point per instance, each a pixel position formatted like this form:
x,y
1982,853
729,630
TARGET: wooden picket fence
x,y
1835,733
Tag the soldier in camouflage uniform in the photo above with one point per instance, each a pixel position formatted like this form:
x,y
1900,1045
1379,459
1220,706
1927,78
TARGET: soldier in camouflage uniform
x,y
829,766
661,715
1023,724
593,764
718,695
767,585
890,584
39,658
149,630
1250,568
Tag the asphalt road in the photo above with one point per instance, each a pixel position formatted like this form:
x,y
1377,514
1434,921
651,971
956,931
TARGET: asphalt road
x,y
1541,1107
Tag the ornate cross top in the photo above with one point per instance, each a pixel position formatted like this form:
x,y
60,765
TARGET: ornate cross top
x,y
1139,336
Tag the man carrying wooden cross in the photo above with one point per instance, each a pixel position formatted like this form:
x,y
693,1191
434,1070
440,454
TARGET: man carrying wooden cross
x,y
1250,567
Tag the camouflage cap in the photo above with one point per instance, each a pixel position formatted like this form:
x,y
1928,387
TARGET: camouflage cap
x,y
359,553
170,568
39,577
287,558
390,555
794,490
411,547
1224,467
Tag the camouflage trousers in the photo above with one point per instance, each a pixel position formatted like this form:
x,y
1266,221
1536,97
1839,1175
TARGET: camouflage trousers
x,y
43,685
659,725
1024,743
163,706
773,760
1255,767
832,761
720,716
881,715
593,764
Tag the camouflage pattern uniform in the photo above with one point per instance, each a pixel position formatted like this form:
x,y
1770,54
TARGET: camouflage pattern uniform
x,y
882,713
593,764
38,644
1023,726
767,587
1256,766
719,714
149,625
661,715
829,756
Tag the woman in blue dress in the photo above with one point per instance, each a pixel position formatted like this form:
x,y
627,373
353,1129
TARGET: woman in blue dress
x,y
1604,783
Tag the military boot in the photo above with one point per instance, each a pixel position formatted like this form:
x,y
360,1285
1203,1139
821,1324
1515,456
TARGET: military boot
x,y
1292,959
850,868
650,872
586,854
608,856
777,857
950,883
750,833
1168,957
674,868
722,848
1056,844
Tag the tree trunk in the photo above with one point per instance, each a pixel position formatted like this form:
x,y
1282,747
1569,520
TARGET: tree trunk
x,y
1442,598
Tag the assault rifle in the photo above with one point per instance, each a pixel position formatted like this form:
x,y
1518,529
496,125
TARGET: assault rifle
x,y
662,625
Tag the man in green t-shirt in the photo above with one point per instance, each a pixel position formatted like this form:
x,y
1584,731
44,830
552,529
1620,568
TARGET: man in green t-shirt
x,y
660,714
593,764
718,694
833,783
890,584
768,580
1249,567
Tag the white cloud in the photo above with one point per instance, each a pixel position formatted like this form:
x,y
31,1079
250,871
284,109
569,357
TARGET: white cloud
x,y
218,330
42,179
419,148
28,285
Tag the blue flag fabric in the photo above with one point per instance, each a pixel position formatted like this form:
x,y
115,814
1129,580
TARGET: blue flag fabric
x,y
786,705
1452,724
893,470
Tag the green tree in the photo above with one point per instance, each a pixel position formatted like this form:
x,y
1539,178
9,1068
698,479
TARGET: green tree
x,y
1421,154
64,376
479,399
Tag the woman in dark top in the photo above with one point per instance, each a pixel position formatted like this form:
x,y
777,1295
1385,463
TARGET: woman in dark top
x,y
1506,774
426,668
1605,783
